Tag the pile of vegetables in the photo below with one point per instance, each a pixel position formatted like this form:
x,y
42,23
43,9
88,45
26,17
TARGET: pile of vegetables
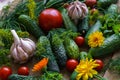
x,y
59,34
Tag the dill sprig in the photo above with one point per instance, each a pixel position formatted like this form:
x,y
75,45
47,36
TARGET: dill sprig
x,y
31,7
114,65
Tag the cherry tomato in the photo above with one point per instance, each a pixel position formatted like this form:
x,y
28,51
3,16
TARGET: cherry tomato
x,y
90,3
100,62
79,40
5,72
50,18
71,64
23,71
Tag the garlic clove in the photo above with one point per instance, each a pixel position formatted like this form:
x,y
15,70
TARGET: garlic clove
x,y
14,53
21,53
29,41
26,46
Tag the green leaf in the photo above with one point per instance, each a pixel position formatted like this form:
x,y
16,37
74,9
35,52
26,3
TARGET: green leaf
x,y
116,28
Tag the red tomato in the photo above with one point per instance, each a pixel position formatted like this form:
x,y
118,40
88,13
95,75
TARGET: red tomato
x,y
23,71
5,72
100,62
71,64
90,3
50,18
79,40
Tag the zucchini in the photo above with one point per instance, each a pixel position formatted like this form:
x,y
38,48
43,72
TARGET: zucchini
x,y
30,25
59,50
110,45
44,49
95,27
67,21
83,26
72,48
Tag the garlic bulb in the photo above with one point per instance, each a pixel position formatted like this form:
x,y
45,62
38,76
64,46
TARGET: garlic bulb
x,y
22,48
77,10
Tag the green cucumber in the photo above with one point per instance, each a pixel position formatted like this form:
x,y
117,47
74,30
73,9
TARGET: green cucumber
x,y
110,45
44,50
72,48
113,9
51,3
83,26
59,50
105,3
95,27
73,76
20,77
30,25
67,21
83,55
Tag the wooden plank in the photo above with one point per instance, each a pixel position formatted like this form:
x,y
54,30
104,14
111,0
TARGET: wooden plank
x,y
110,75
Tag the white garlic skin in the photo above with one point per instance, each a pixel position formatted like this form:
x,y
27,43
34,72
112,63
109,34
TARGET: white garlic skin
x,y
22,49
77,10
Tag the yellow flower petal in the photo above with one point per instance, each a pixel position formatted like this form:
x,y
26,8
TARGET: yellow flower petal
x,y
85,69
85,77
95,39
79,76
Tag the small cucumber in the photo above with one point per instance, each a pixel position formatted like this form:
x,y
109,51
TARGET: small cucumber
x,y
46,51
113,9
95,27
67,21
72,48
30,25
59,50
105,3
83,55
73,76
110,45
83,26
51,3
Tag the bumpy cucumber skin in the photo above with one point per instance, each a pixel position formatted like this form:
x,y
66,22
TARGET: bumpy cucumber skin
x,y
52,63
60,53
105,3
20,77
113,9
72,48
30,25
110,45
